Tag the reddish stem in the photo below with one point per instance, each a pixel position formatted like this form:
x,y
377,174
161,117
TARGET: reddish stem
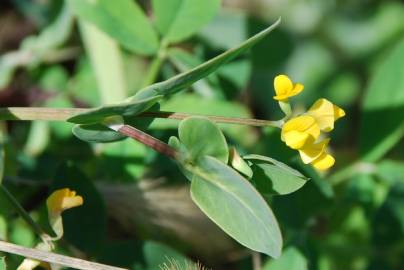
x,y
148,140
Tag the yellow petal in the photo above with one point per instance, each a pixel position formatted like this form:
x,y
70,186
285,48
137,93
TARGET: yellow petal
x,y
313,151
302,124
296,139
323,162
297,89
338,112
63,199
323,111
282,85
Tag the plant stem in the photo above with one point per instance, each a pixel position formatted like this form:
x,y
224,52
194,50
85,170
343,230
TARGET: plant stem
x,y
38,230
62,114
53,258
148,140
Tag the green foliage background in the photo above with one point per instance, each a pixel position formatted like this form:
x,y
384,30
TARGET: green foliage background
x,y
135,212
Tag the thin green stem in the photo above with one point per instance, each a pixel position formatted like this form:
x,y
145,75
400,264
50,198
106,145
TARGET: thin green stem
x,y
21,211
155,65
62,114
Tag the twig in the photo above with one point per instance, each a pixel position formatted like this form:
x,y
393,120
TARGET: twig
x,y
62,114
50,257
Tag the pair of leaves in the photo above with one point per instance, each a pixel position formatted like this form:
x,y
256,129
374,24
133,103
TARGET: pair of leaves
x,y
150,95
126,22
222,193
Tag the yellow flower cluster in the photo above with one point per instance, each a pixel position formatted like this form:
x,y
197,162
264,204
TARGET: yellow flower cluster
x,y
302,133
61,200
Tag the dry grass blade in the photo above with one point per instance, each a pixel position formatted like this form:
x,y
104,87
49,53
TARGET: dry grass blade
x,y
54,258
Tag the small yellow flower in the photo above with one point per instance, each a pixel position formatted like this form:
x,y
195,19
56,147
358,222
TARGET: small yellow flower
x,y
300,131
325,114
284,88
61,200
323,162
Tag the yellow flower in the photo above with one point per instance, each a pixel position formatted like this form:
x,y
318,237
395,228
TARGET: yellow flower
x,y
300,131
61,200
325,114
284,88
316,155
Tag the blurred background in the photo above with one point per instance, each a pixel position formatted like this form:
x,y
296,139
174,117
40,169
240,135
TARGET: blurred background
x,y
137,208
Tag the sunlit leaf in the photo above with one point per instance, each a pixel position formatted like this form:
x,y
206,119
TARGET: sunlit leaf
x,y
235,206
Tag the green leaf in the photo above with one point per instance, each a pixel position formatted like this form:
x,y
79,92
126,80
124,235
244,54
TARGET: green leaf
x,y
153,93
52,36
202,137
123,20
97,133
274,177
90,218
277,163
107,63
291,259
183,80
383,107
179,19
130,107
235,206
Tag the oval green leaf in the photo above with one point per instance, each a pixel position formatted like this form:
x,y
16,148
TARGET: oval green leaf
x,y
201,137
235,206
179,19
123,20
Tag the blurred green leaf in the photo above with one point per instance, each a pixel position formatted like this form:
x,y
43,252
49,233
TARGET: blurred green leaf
x,y
35,48
3,265
90,218
123,21
235,206
107,63
21,234
38,138
54,79
291,259
53,35
157,255
382,124
391,171
180,19
365,35
202,137
227,29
